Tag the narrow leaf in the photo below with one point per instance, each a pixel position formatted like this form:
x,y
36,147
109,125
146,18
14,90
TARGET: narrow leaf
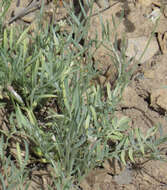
x,y
93,113
137,132
123,157
5,40
87,122
11,38
19,154
130,152
22,36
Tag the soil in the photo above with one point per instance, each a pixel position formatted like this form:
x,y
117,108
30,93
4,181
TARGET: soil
x,y
144,99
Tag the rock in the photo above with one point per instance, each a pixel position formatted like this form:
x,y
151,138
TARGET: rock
x,y
125,177
136,47
29,18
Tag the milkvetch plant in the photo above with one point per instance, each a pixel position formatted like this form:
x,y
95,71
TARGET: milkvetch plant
x,y
57,116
